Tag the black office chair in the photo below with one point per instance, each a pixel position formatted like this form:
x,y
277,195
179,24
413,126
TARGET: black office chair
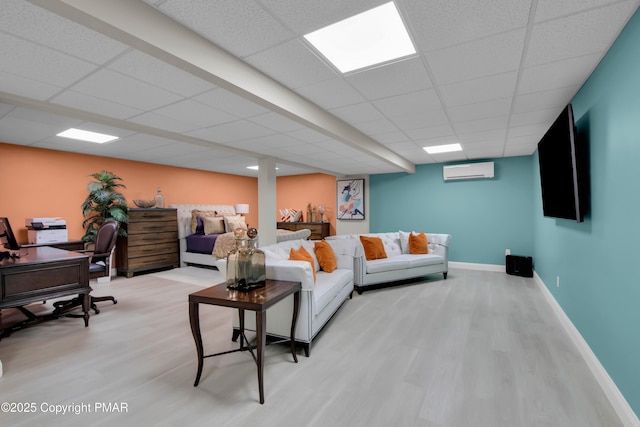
x,y
99,266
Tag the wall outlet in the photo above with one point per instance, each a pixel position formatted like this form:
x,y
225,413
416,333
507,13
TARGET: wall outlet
x,y
557,281
507,252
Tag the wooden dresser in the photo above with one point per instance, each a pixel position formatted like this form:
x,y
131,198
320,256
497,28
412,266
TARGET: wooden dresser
x,y
319,230
152,241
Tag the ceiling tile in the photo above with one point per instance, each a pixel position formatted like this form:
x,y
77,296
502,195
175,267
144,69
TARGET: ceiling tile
x,y
358,113
38,25
304,16
549,9
479,90
480,110
558,74
20,85
148,69
544,100
240,27
392,79
443,23
228,133
431,118
32,61
409,103
332,93
195,113
118,88
582,34
95,105
276,122
224,100
292,64
477,58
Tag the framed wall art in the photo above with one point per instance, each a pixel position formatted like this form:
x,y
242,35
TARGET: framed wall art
x,y
350,199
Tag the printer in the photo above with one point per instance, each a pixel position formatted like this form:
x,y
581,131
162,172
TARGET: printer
x,y
45,230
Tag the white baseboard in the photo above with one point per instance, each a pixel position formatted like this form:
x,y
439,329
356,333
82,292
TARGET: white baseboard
x,y
481,267
617,400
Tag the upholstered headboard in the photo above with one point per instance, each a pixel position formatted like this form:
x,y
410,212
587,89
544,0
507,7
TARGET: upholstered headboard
x,y
184,215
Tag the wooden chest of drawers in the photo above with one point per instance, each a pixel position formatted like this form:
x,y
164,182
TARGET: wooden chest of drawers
x,y
152,241
319,230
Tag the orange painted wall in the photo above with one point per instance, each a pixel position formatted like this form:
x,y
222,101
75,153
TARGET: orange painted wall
x,y
47,183
297,191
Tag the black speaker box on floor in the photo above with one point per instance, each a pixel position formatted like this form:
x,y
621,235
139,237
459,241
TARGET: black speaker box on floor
x,y
520,265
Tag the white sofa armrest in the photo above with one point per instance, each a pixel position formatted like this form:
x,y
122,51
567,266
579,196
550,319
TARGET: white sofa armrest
x,y
292,270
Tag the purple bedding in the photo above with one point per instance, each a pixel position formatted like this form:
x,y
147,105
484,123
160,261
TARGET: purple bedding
x,y
201,243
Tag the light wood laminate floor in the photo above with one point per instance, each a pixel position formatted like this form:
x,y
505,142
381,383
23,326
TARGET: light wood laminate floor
x,y
478,349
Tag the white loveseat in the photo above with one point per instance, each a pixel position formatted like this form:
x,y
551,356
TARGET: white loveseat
x,y
319,300
399,264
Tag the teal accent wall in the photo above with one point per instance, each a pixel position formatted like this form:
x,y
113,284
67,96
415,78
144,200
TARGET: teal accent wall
x,y
484,216
598,260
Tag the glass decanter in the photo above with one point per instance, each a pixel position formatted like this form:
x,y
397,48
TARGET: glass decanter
x,y
245,263
159,198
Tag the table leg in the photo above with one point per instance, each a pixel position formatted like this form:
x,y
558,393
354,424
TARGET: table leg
x,y
241,318
261,320
296,307
194,318
86,306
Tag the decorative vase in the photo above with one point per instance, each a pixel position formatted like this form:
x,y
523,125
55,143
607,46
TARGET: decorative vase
x,y
159,198
245,263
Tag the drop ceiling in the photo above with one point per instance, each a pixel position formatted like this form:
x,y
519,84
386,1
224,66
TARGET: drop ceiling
x,y
217,85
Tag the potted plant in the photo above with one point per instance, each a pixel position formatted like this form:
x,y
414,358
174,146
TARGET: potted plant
x,y
103,203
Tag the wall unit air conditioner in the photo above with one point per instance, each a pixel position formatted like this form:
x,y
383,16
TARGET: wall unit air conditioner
x,y
468,171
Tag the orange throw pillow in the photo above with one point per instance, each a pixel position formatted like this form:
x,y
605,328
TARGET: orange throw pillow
x,y
326,256
373,248
302,255
418,244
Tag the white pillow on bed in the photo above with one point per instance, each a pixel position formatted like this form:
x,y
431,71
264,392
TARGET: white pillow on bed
x,y
231,222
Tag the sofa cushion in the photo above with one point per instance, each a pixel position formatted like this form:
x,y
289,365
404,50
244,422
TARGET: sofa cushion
x,y
328,285
418,244
422,260
397,262
301,254
326,256
373,248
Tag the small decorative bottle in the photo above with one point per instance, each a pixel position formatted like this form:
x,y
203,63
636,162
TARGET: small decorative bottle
x,y
159,198
245,263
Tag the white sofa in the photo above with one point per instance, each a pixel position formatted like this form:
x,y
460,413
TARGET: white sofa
x,y
399,264
319,301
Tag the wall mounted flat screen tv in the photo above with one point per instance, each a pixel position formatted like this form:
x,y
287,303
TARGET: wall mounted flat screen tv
x,y
564,169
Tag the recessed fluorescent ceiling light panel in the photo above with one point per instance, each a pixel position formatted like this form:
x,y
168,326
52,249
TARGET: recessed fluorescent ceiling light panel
x,y
372,37
255,168
85,135
447,148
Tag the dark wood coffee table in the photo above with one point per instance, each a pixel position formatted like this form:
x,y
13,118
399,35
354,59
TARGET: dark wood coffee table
x,y
258,300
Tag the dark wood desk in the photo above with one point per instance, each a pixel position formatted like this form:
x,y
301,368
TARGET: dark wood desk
x,y
258,300
43,273
70,245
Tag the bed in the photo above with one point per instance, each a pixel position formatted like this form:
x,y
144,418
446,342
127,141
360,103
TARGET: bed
x,y
206,249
